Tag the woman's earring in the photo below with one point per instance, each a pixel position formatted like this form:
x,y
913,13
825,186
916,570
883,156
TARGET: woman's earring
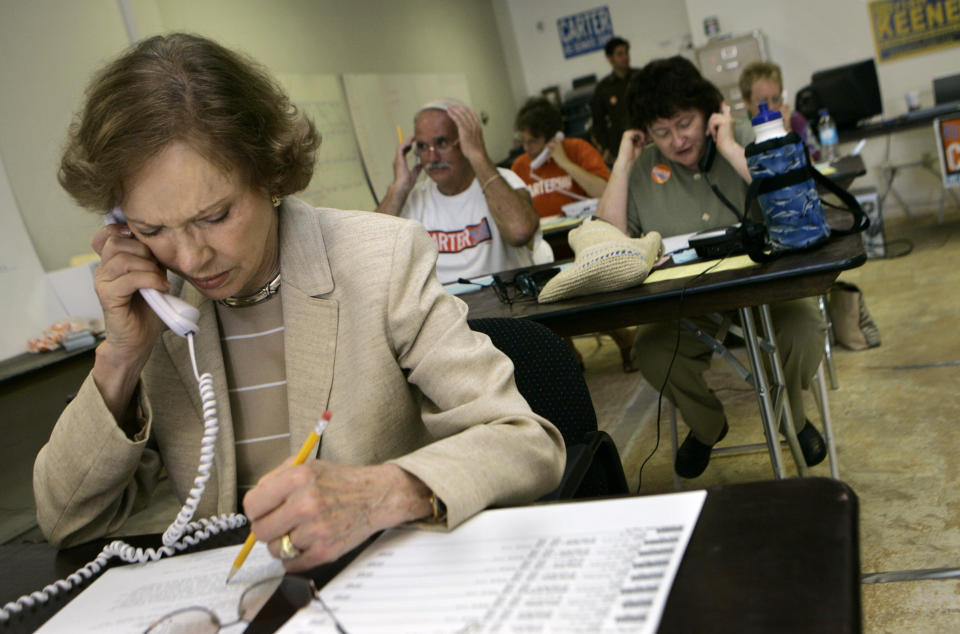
x,y
276,200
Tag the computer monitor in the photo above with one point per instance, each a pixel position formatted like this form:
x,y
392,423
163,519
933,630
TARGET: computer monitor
x,y
850,92
586,80
946,89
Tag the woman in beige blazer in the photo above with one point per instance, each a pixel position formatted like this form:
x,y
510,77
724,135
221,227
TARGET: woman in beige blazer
x,y
201,150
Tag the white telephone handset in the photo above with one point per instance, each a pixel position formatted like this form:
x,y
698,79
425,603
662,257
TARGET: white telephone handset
x,y
180,316
183,532
538,162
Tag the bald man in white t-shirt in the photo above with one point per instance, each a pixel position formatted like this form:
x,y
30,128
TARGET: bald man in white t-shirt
x,y
481,217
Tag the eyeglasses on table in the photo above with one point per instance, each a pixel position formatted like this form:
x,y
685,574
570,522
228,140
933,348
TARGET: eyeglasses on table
x,y
507,292
291,592
526,284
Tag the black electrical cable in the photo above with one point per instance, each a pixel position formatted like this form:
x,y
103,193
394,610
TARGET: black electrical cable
x,y
907,248
676,348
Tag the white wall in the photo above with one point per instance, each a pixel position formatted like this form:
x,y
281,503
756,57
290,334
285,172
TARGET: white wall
x,y
807,36
802,37
654,28
511,50
49,48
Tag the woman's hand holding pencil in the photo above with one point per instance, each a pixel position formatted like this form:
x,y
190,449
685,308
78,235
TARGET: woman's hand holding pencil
x,y
325,509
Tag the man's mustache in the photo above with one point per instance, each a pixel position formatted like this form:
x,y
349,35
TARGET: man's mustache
x,y
437,165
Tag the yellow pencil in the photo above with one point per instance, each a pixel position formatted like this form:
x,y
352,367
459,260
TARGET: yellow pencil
x,y
305,450
400,134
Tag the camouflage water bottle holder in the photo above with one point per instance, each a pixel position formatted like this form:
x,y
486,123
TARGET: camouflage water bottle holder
x,y
785,184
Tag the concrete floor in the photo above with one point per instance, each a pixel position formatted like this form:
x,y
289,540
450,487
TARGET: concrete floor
x,y
896,430
896,425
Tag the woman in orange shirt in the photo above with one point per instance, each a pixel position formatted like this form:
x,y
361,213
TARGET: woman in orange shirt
x,y
574,170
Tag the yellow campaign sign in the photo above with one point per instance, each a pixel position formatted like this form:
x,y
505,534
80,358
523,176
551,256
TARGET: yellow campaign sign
x,y
909,27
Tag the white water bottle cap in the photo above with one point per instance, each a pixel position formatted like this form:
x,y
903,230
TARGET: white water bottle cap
x,y
768,124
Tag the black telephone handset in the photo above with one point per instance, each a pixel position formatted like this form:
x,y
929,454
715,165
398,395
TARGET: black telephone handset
x,y
709,153
709,147
705,163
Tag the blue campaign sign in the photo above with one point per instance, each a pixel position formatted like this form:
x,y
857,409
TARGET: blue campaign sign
x,y
585,31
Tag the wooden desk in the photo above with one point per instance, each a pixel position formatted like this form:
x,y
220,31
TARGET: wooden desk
x,y
27,363
788,277
902,123
34,389
788,561
777,556
846,169
792,276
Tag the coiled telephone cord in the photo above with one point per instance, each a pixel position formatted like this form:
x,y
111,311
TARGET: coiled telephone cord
x,y
180,535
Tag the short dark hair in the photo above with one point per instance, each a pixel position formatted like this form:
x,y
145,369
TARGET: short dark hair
x,y
613,43
539,117
666,86
182,87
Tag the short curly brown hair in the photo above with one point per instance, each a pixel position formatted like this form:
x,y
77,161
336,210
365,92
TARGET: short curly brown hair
x,y
539,117
666,86
182,87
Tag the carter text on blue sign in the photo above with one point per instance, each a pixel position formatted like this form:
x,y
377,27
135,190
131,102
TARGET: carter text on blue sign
x,y
585,31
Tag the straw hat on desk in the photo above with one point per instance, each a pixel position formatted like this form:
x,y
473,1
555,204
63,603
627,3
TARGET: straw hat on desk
x,y
604,260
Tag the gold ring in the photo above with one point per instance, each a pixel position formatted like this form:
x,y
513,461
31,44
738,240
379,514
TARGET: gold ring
x,y
287,549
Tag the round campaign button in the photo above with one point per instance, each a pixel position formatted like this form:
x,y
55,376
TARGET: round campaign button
x,y
660,173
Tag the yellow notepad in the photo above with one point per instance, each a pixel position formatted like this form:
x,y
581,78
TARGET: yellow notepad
x,y
689,270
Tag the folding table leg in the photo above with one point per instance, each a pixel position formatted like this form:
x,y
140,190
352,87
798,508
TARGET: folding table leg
x,y
828,342
823,402
771,393
910,575
782,402
763,391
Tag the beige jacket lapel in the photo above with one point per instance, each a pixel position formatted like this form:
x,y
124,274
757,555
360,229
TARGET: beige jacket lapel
x,y
209,359
310,317
310,337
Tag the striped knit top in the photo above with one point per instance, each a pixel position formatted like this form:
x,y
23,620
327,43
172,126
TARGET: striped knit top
x,y
252,344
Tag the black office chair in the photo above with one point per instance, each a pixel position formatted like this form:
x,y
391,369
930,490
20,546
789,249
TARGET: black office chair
x,y
549,377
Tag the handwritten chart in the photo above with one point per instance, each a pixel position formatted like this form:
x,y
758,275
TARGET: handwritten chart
x,y
338,180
